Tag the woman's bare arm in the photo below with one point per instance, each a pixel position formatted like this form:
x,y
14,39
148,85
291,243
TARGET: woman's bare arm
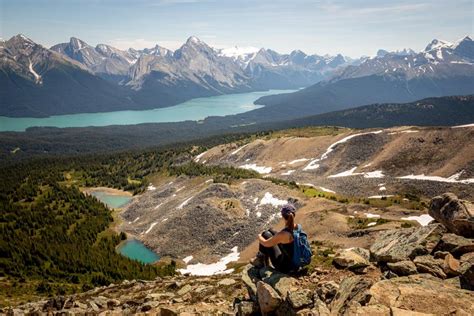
x,y
281,237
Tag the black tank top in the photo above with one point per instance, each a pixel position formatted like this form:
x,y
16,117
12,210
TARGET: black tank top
x,y
288,248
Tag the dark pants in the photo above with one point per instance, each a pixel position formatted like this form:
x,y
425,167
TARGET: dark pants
x,y
279,259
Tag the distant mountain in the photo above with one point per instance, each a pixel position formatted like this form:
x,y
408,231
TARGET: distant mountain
x,y
104,60
36,81
442,69
103,78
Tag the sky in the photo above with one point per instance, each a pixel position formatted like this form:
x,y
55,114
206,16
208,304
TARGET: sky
x,y
353,27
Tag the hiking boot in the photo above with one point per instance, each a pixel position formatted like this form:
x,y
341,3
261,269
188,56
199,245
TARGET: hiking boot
x,y
259,260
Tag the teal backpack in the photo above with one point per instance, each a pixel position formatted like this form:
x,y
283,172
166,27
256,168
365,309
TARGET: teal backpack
x,y
302,251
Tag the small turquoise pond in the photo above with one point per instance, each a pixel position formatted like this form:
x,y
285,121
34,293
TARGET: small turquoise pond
x,y
135,249
112,200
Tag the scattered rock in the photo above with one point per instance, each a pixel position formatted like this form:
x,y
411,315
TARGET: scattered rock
x,y
352,290
352,258
428,264
326,290
320,309
249,276
281,282
455,214
422,293
370,310
451,265
402,268
457,245
268,298
168,311
185,289
300,298
403,312
227,282
404,244
467,277
245,308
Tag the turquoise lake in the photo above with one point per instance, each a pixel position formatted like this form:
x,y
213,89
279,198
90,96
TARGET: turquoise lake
x,y
112,200
194,110
135,249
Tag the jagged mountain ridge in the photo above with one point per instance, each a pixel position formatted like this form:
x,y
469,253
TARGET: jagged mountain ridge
x,y
157,77
442,69
37,81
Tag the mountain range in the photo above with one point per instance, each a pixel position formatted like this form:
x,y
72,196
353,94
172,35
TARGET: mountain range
x,y
76,77
441,69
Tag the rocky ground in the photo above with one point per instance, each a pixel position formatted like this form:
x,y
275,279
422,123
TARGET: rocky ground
x,y
427,270
377,158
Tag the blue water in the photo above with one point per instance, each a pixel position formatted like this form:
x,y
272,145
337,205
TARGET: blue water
x,y
112,200
195,109
135,249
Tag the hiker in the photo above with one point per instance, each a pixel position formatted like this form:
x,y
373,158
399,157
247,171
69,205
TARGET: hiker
x,y
279,247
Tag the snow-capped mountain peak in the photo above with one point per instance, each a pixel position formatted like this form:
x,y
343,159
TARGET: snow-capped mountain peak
x,y
237,51
436,44
77,44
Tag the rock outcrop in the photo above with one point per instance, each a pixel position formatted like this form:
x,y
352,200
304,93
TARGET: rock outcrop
x,y
422,293
405,244
455,214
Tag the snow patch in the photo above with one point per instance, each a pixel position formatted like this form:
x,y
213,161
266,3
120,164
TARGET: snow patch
x,y
465,125
184,203
371,224
258,214
151,227
238,149
327,190
35,74
259,169
379,196
164,220
424,219
187,259
350,172
287,173
219,267
269,199
198,157
314,163
151,187
369,215
452,179
298,160
156,207
382,188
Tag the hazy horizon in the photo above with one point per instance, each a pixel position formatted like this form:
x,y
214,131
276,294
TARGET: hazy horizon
x,y
315,27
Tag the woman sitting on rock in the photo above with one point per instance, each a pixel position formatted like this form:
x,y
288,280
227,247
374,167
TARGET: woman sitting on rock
x,y
278,247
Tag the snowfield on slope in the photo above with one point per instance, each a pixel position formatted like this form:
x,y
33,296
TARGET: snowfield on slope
x,y
219,267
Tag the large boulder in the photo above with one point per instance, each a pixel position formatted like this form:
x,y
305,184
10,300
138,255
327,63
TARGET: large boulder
x,y
402,268
405,244
428,264
281,282
268,298
300,298
250,275
457,215
353,291
455,244
352,258
422,293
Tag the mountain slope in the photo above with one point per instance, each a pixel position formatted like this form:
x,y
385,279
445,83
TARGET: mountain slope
x,y
427,112
441,70
38,82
